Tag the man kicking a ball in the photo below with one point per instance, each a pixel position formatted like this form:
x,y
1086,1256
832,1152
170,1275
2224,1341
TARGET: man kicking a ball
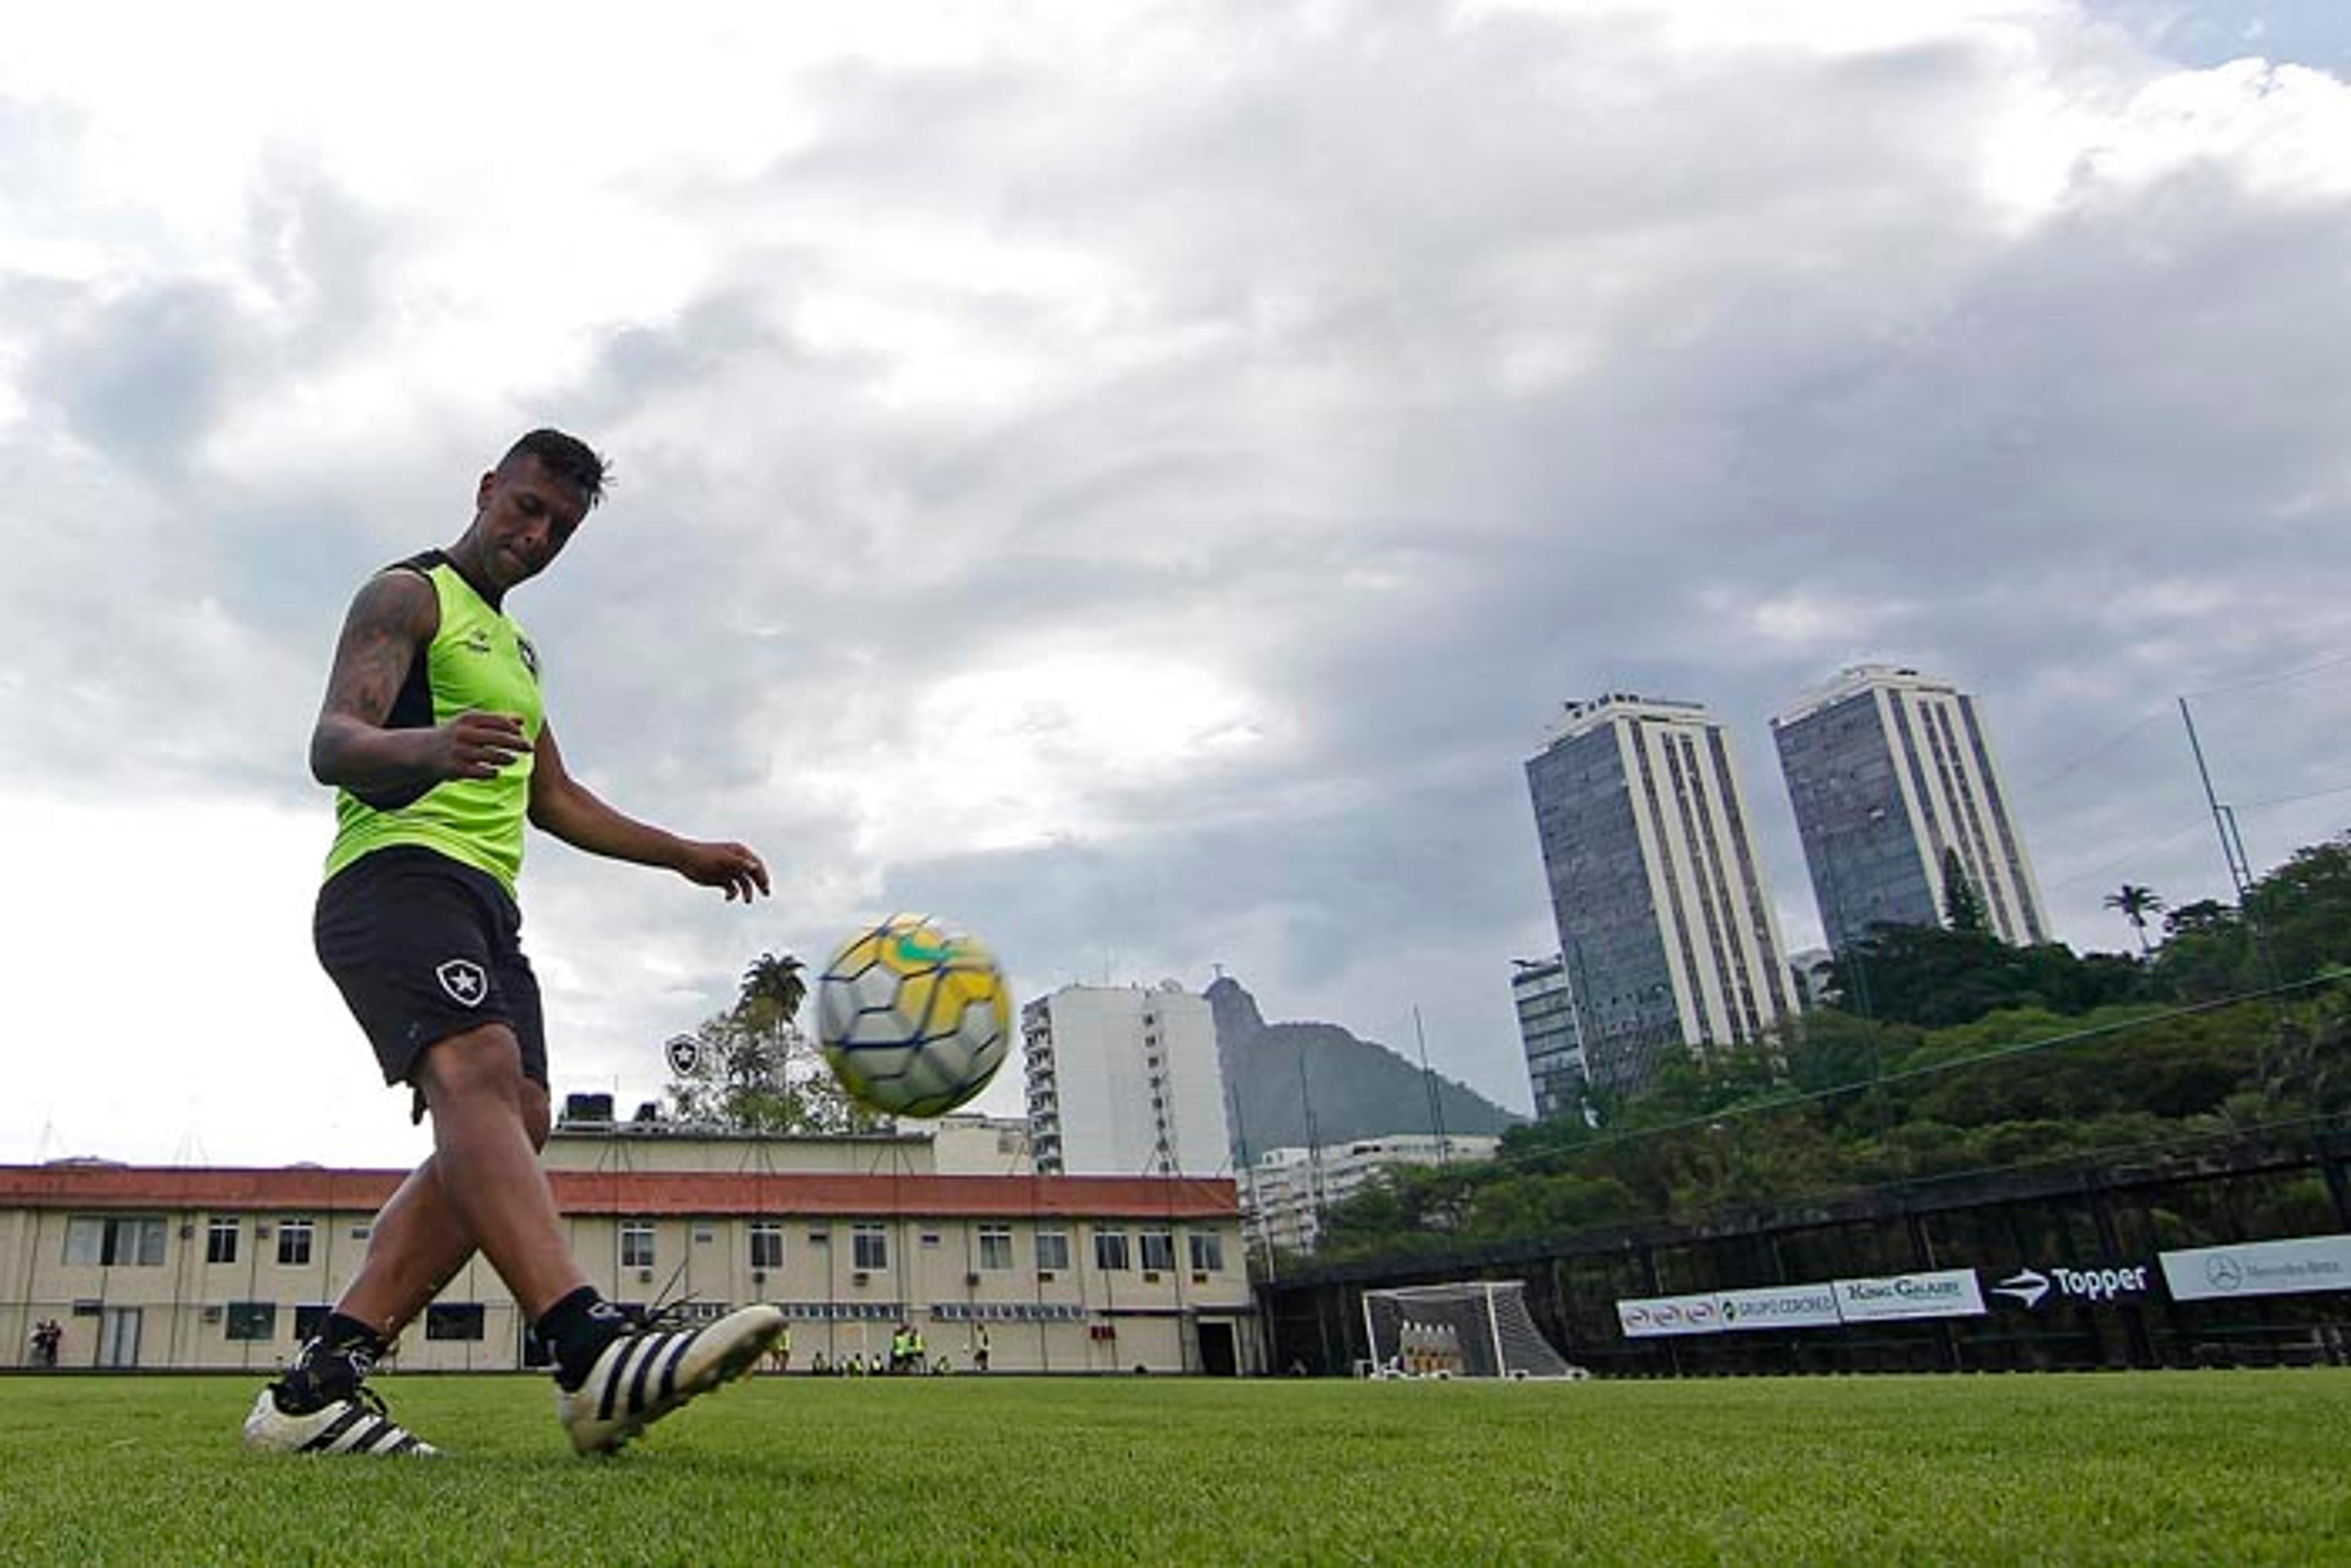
x,y
433,733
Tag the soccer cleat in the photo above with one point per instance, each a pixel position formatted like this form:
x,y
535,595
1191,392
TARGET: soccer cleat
x,y
357,1425
649,1371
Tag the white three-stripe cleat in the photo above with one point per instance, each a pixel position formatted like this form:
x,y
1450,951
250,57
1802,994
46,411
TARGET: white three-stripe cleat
x,y
358,1425
643,1375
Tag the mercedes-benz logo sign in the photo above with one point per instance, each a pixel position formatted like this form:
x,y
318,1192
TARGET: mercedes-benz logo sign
x,y
685,1053
2224,1272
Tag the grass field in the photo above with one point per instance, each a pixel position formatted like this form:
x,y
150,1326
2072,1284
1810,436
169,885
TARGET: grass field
x,y
2211,1468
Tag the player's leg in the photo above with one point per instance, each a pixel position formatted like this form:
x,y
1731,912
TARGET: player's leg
x,y
420,1241
614,1375
487,1166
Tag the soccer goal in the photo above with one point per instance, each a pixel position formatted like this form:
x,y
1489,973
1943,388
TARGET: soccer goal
x,y
1475,1328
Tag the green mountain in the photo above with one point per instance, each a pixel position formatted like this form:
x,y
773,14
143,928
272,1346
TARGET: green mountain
x,y
1355,1088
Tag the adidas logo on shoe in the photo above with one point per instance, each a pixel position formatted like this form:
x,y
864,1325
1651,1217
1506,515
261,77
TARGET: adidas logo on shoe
x,y
649,1371
356,1425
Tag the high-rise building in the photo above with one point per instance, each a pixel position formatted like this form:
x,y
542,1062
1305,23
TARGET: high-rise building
x,y
1888,770
1551,1034
1665,927
1124,1082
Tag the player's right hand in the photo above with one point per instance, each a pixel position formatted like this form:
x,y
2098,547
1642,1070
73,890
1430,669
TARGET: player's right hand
x,y
476,745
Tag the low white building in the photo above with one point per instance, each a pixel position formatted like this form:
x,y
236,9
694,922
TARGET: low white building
x,y
1286,1193
951,1230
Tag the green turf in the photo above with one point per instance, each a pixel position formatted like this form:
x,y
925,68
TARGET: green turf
x,y
2209,1468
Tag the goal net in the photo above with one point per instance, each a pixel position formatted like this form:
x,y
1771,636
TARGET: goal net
x,y
1476,1328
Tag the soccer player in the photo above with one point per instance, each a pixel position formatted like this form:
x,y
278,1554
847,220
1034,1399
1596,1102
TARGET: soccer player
x,y
433,733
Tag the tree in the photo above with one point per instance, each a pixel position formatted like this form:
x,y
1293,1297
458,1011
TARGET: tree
x,y
2136,903
775,984
757,1071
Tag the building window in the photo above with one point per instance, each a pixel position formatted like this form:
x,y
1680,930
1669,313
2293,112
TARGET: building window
x,y
294,1242
871,1244
251,1320
1158,1251
220,1240
1053,1251
1110,1250
766,1244
636,1245
996,1247
455,1320
112,1240
1207,1252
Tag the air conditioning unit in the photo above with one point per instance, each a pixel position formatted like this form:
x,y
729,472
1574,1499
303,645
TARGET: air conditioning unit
x,y
970,1279
644,1276
1150,1277
1199,1278
187,1232
759,1276
261,1228
858,1277
1044,1273
212,1315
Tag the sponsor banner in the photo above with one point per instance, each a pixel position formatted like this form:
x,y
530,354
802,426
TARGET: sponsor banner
x,y
1946,1293
2097,1284
1780,1307
2259,1269
1657,1317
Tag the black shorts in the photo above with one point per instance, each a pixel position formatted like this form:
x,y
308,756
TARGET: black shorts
x,y
423,947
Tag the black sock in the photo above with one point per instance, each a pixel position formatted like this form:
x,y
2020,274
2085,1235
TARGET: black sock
x,y
576,1330
330,1366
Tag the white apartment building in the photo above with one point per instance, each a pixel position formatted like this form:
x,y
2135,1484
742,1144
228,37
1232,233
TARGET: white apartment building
x,y
1666,930
1285,1194
1123,1080
1888,769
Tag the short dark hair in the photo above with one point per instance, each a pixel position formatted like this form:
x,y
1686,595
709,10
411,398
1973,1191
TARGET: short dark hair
x,y
567,458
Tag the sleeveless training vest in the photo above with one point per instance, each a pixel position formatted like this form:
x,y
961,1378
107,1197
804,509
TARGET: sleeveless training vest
x,y
479,661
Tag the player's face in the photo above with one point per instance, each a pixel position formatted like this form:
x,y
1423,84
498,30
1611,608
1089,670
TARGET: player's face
x,y
527,515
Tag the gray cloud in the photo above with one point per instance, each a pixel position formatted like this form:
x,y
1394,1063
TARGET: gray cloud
x,y
1407,376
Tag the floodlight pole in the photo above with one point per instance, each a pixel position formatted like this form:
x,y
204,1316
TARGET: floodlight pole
x,y
2231,847
2232,851
1428,1086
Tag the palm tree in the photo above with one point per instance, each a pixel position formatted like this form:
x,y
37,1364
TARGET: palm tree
x,y
2137,903
774,980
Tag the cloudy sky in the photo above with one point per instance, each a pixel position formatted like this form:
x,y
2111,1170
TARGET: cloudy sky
x,y
1135,481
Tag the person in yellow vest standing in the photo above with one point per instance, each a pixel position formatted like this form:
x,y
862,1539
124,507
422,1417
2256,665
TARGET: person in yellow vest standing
x,y
435,736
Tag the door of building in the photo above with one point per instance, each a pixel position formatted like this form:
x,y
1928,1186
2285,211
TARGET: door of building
x,y
118,1337
1218,1356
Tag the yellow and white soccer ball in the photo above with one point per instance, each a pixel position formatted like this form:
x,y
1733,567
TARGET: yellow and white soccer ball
x,y
914,1018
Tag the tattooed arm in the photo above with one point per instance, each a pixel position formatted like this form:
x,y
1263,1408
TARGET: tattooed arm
x,y
391,620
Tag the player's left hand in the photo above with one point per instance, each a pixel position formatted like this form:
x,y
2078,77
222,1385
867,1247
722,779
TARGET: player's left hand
x,y
735,868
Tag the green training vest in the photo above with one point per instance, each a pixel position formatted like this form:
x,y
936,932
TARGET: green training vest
x,y
479,661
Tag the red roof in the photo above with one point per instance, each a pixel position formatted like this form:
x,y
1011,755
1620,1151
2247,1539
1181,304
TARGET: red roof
x,y
299,1187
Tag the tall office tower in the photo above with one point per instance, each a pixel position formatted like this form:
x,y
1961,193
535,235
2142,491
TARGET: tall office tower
x,y
1888,769
1664,925
1549,1031
1124,1082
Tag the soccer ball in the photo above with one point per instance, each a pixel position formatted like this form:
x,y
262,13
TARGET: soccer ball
x,y
913,1019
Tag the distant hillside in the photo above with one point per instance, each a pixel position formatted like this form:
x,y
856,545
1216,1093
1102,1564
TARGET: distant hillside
x,y
1359,1088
